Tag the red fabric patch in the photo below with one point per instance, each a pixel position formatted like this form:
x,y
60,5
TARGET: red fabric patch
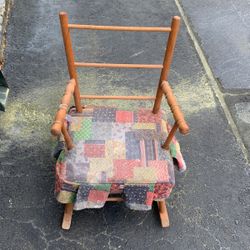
x,y
58,184
124,116
124,169
149,199
147,116
116,188
161,170
94,150
97,196
162,190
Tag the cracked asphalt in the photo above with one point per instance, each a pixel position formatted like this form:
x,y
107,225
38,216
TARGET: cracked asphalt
x,y
210,205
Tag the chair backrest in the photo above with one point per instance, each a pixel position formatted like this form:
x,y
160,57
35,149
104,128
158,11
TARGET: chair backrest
x,y
165,66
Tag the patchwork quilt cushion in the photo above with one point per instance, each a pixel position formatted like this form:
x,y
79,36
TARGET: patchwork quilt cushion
x,y
116,151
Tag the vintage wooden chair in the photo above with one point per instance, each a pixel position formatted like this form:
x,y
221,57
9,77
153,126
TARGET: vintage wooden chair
x,y
61,127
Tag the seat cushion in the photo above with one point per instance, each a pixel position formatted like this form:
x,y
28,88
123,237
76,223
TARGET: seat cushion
x,y
117,148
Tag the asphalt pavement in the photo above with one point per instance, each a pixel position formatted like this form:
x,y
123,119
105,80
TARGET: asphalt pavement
x,y
210,205
222,30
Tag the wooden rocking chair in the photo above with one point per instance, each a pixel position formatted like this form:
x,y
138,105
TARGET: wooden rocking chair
x,y
60,127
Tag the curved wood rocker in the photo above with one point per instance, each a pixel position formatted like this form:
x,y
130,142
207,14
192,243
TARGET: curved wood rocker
x,y
164,88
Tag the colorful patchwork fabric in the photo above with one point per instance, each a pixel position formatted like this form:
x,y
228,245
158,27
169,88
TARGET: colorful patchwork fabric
x,y
116,152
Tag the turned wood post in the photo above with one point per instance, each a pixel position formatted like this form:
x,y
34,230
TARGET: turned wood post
x,y
70,58
175,25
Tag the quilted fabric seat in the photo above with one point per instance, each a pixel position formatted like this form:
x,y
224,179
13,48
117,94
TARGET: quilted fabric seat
x,y
116,151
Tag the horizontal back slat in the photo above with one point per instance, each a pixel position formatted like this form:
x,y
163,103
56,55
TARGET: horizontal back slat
x,y
118,65
119,28
117,97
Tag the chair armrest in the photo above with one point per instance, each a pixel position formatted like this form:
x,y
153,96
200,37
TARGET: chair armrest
x,y
175,108
56,127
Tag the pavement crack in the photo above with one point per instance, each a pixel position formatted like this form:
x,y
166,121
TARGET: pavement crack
x,y
137,54
68,240
42,234
239,14
143,219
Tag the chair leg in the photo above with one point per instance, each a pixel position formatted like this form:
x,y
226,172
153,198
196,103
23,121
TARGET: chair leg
x,y
163,213
67,217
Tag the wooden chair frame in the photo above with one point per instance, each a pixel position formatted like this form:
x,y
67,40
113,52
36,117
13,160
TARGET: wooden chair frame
x,y
59,127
